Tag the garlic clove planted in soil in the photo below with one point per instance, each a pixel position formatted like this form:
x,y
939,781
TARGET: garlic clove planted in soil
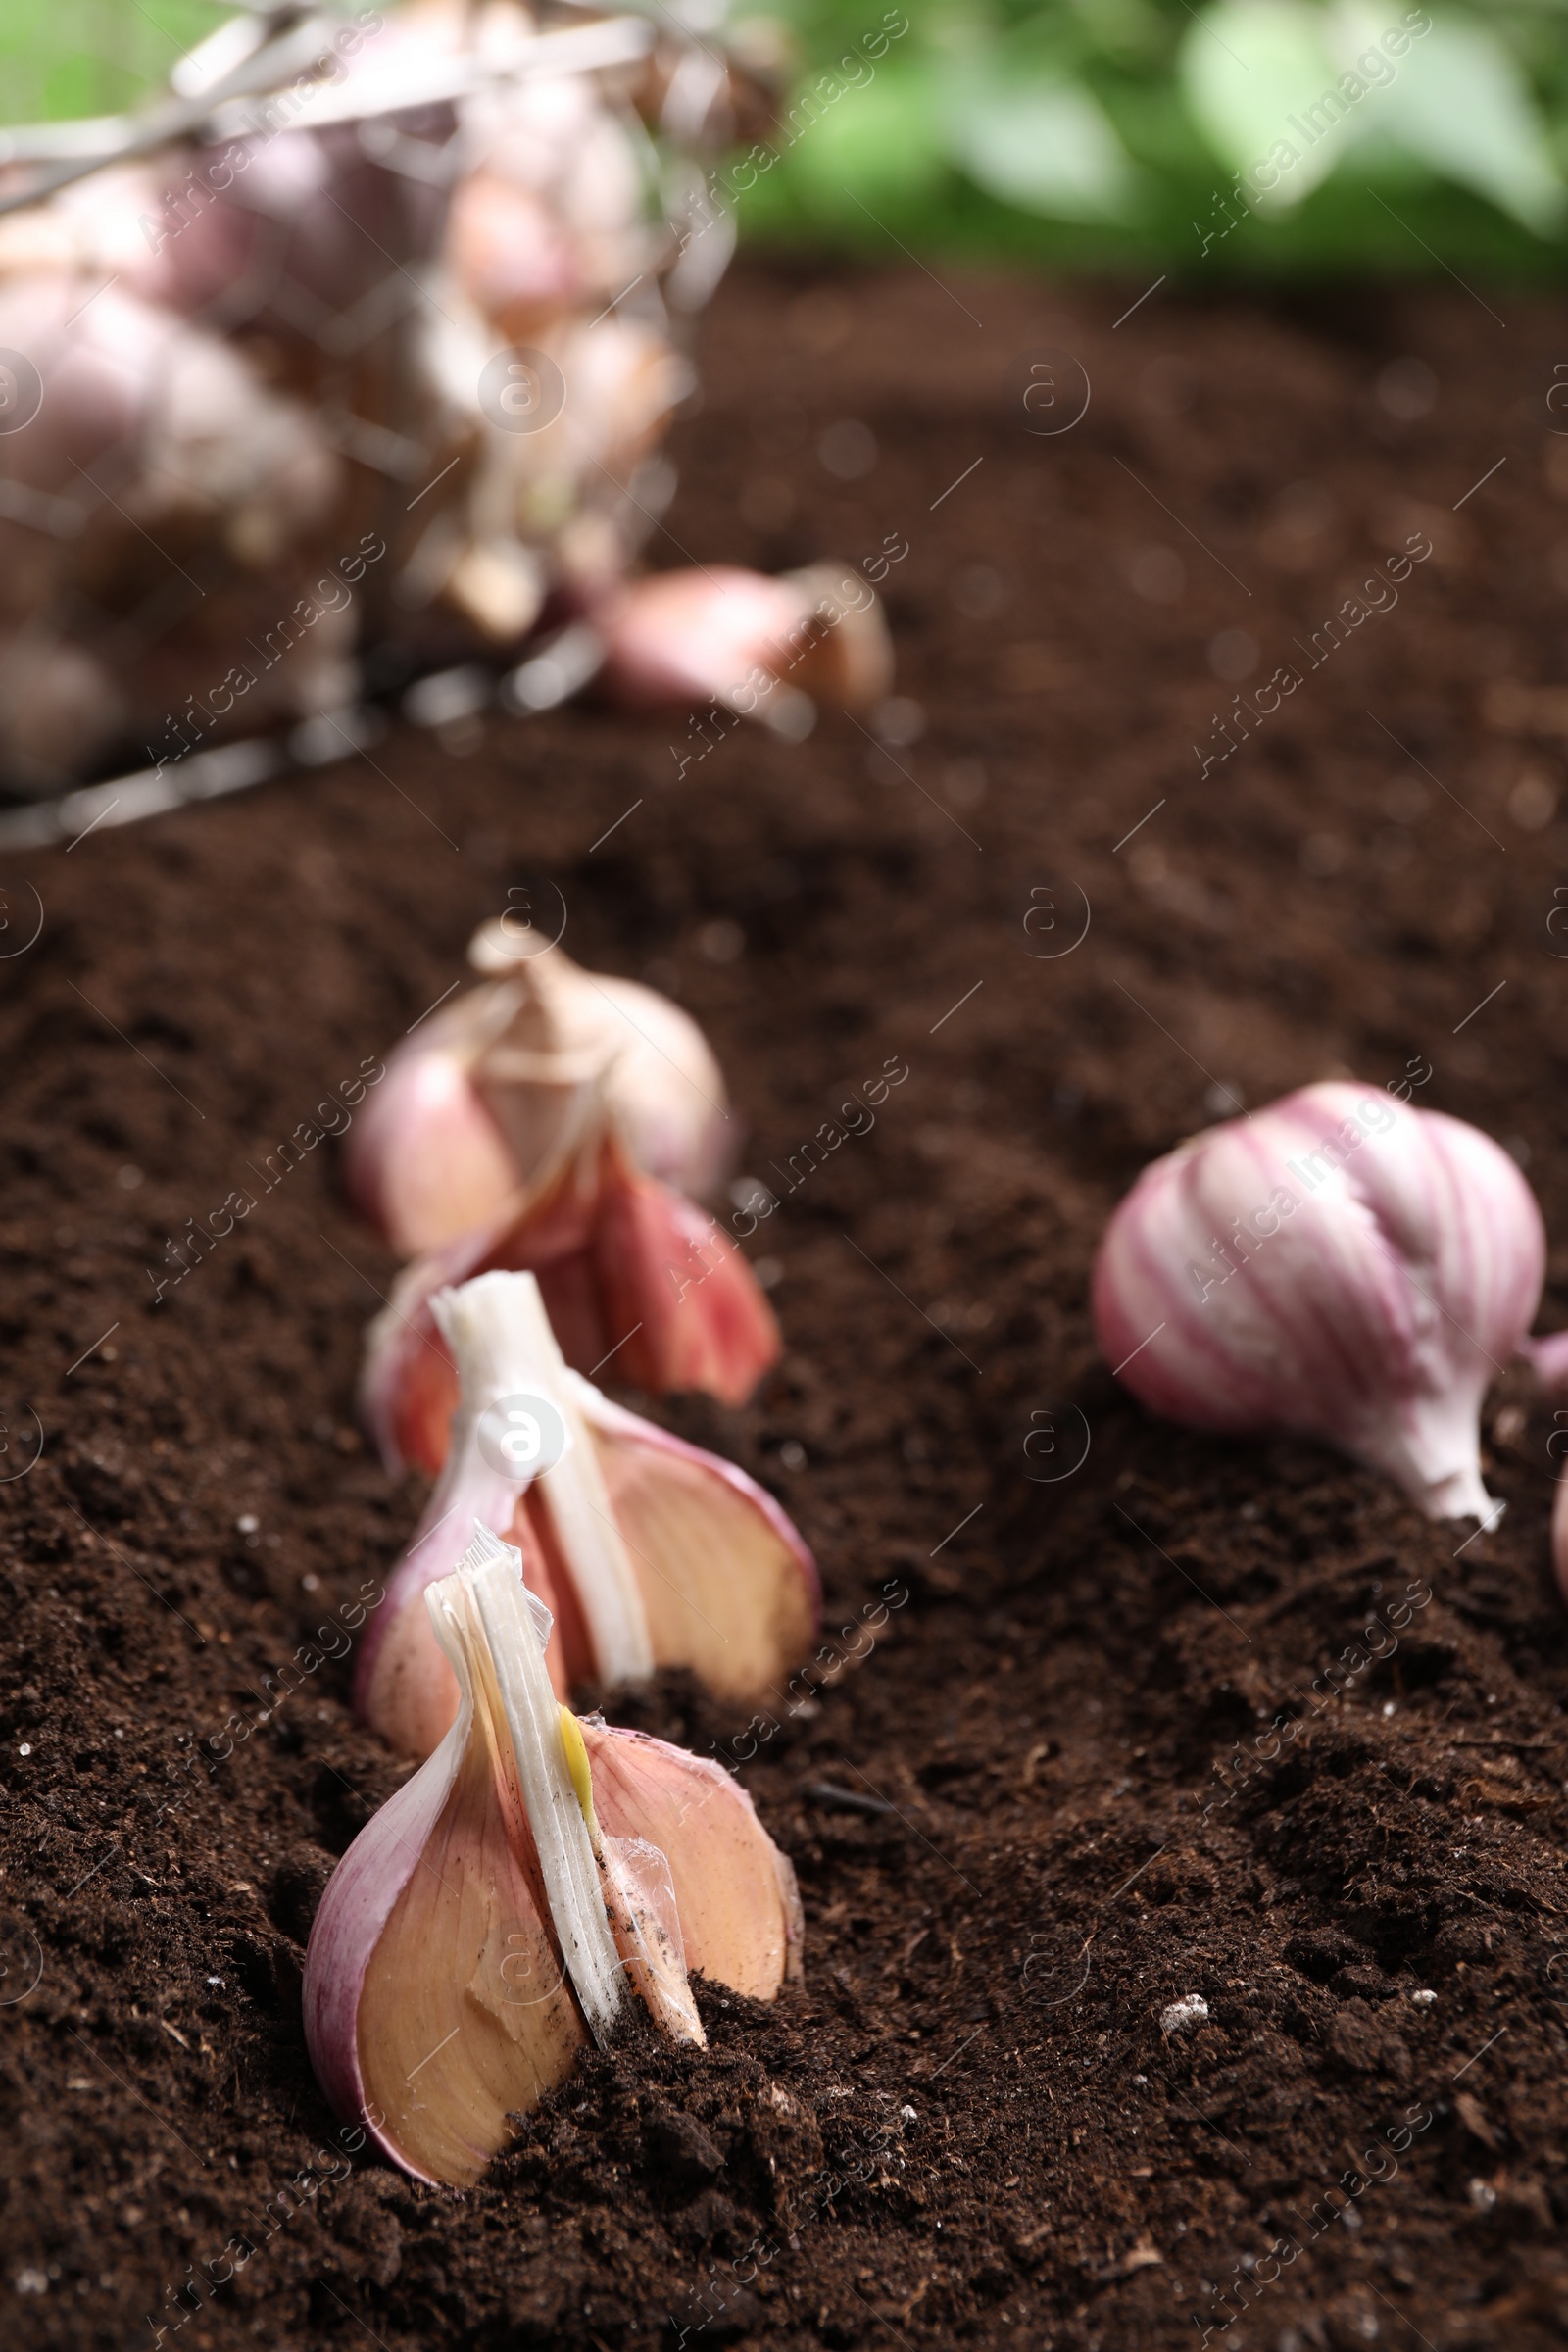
x,y
520,1459
436,1998
510,1902
1340,1266
487,1096
645,1550
629,1271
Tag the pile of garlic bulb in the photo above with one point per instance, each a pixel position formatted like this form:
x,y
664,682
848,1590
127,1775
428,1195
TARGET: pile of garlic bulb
x,y
378,364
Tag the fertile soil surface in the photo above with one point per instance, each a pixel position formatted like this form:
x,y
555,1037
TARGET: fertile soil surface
x,y
1035,1799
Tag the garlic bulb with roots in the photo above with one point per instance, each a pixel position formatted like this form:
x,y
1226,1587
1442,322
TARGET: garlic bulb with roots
x,y
482,1100
505,1908
1339,1265
645,1550
630,1272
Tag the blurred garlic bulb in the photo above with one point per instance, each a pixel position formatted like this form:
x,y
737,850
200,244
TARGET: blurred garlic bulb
x,y
645,1550
156,451
504,1908
485,1097
1338,1264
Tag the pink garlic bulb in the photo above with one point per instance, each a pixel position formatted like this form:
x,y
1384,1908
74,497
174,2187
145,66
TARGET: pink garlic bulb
x,y
483,1099
1339,1265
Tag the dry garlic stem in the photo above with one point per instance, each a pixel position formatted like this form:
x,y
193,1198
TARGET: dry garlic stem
x,y
1338,1264
645,1550
489,1094
535,1874
630,1272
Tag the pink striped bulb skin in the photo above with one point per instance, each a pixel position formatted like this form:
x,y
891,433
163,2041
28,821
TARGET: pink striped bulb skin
x,y
1339,1265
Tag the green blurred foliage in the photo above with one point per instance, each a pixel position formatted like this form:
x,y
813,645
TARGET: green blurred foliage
x,y
1123,133
59,58
1088,133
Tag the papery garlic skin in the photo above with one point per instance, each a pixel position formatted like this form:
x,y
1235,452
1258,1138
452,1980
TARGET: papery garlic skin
x,y
644,1549
491,1092
532,1877
1339,1265
736,1894
629,1271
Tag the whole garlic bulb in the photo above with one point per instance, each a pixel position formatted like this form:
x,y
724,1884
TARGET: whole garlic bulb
x,y
481,1101
1340,1266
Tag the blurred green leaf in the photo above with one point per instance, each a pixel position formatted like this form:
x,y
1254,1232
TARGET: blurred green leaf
x,y
1462,105
59,58
1247,67
1047,146
879,143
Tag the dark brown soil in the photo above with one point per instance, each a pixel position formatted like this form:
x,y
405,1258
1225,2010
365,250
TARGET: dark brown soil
x,y
1045,1802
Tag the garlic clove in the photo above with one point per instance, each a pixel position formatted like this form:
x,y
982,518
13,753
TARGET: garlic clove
x,y
555,1512
505,1905
728,1586
1559,1535
1338,1264
663,1087
628,1271
850,666
436,2000
735,1893
679,639
683,638
427,1160
643,1550
489,1094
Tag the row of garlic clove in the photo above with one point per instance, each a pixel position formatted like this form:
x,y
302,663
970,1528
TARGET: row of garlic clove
x,y
1341,1265
544,1879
